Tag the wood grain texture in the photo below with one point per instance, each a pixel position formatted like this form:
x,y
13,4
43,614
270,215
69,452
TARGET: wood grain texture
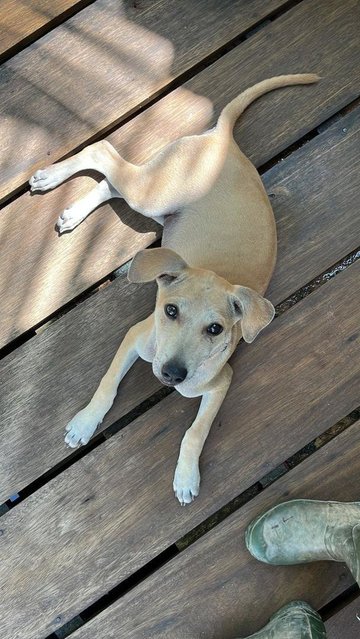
x,y
21,20
99,67
315,194
215,588
34,255
345,623
47,380
114,509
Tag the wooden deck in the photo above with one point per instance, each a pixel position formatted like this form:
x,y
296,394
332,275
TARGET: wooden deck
x,y
93,544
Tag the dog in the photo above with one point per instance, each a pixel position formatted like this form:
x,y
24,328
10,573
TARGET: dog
x,y
217,256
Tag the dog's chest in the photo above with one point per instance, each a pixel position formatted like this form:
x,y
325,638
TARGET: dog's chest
x,y
147,352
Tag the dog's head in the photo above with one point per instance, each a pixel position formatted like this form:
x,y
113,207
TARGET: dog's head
x,y
195,316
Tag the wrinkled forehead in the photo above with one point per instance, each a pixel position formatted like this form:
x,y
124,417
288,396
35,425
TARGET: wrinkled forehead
x,y
198,291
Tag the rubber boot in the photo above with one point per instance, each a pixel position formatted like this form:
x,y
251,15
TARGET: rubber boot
x,y
302,530
296,620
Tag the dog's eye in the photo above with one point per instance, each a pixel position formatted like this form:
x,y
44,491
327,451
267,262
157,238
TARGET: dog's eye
x,y
171,311
214,329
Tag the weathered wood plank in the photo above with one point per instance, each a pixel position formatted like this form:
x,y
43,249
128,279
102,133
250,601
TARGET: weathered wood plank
x,y
216,589
21,21
313,241
345,623
84,76
103,512
35,255
38,377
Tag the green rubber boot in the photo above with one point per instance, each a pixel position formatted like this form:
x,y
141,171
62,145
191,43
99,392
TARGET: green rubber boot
x,y
296,620
302,530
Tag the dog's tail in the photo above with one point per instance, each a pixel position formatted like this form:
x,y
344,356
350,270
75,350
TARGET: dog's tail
x,y
235,108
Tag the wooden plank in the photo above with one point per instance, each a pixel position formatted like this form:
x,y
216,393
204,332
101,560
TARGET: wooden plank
x,y
345,623
82,78
22,21
312,239
101,511
87,338
35,255
216,589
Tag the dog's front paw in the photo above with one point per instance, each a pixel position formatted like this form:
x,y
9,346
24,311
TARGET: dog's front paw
x,y
186,482
80,429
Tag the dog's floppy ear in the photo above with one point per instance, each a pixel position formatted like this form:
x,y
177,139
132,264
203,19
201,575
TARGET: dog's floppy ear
x,y
254,311
150,264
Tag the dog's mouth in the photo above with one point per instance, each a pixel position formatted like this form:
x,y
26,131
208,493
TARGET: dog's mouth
x,y
166,383
170,384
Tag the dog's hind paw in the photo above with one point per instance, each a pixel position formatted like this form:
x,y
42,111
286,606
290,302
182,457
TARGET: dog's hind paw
x,y
186,482
80,429
71,217
49,178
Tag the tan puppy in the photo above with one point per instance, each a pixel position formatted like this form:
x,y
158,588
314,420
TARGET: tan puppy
x,y
219,251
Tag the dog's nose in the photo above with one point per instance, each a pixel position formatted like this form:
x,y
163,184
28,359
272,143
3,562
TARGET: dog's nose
x,y
173,373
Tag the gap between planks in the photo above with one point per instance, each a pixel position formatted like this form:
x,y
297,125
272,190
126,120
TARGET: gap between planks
x,y
339,603
305,139
47,26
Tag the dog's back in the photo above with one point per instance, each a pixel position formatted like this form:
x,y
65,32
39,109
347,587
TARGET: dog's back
x,y
231,228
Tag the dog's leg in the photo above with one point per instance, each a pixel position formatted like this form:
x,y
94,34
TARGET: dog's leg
x,y
95,157
124,179
81,428
169,180
80,209
187,475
